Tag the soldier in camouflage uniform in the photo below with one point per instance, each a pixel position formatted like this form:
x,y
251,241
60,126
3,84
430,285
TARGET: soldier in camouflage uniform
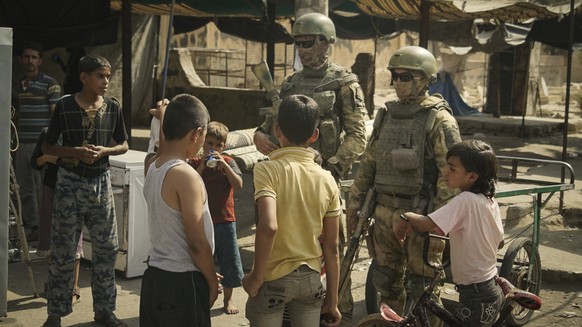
x,y
342,132
404,161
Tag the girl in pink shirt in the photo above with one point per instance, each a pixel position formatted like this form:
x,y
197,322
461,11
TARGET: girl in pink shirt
x,y
473,222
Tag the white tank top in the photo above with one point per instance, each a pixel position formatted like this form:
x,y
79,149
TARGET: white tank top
x,y
169,248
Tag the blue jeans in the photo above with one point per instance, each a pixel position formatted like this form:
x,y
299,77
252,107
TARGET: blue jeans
x,y
228,255
301,291
479,303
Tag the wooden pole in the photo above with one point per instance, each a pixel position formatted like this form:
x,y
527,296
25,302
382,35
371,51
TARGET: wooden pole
x,y
424,23
567,108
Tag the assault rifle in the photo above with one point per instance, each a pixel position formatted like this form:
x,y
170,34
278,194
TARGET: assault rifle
x,y
364,221
263,74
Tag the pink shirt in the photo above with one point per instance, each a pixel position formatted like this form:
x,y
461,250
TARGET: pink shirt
x,y
474,225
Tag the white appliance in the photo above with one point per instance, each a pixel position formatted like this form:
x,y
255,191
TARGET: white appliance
x,y
127,179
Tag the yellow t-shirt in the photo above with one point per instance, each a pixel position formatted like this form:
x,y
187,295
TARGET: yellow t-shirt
x,y
305,194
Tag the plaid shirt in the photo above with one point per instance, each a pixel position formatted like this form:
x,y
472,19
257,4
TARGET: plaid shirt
x,y
73,122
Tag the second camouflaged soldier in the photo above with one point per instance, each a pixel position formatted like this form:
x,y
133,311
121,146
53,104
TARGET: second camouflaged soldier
x,y
342,132
404,161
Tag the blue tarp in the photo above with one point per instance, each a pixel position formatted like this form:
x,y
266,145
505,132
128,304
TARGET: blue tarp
x,y
444,85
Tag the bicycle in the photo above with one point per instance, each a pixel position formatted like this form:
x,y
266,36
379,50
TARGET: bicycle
x,y
417,316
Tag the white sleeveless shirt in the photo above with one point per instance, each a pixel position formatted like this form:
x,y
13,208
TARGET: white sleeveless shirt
x,y
169,248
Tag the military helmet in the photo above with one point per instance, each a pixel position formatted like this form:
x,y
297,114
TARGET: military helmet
x,y
414,58
314,24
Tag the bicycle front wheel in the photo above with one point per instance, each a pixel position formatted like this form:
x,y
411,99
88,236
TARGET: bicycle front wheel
x,y
375,320
515,268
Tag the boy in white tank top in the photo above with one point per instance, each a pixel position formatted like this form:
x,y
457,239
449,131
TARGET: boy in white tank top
x,y
180,284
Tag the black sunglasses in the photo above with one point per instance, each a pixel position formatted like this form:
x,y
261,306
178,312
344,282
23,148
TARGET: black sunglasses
x,y
304,44
404,77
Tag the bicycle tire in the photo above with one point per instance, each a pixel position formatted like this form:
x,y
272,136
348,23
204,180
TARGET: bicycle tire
x,y
375,320
371,293
515,269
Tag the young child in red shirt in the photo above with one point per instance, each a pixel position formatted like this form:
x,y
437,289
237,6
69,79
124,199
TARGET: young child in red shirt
x,y
222,177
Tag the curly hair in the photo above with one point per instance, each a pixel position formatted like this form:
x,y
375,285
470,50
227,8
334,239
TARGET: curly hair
x,y
478,157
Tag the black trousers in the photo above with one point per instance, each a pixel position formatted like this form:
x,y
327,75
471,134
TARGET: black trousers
x,y
173,299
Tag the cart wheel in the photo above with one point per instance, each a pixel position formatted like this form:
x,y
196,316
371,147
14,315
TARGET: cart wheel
x,y
372,295
375,320
515,269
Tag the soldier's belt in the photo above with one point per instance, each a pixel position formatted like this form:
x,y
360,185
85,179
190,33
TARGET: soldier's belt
x,y
401,201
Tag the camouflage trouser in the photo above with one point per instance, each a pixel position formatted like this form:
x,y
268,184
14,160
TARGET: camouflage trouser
x,y
79,201
392,261
345,300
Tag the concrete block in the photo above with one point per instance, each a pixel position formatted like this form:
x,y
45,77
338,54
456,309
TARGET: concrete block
x,y
517,212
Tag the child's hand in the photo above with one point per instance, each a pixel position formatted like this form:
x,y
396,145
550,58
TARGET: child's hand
x,y
48,158
87,154
214,291
101,150
402,229
251,284
219,160
161,105
330,315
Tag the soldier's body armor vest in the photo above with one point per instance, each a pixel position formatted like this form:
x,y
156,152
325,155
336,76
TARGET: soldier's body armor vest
x,y
406,170
323,86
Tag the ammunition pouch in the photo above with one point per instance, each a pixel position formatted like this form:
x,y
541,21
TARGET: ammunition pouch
x,y
405,159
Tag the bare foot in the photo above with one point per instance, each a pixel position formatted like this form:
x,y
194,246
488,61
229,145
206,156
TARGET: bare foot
x,y
230,308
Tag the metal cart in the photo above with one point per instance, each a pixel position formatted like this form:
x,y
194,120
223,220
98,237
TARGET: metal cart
x,y
521,263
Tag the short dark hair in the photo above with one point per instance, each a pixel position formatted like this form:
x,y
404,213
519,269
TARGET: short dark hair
x,y
217,130
298,117
34,46
184,114
91,63
478,157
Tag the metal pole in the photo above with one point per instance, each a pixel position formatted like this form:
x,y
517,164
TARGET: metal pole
x,y
5,102
271,12
167,55
126,66
567,108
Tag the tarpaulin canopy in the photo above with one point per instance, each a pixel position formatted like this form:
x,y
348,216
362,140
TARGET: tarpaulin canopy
x,y
70,23
556,31
207,8
505,10
63,23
